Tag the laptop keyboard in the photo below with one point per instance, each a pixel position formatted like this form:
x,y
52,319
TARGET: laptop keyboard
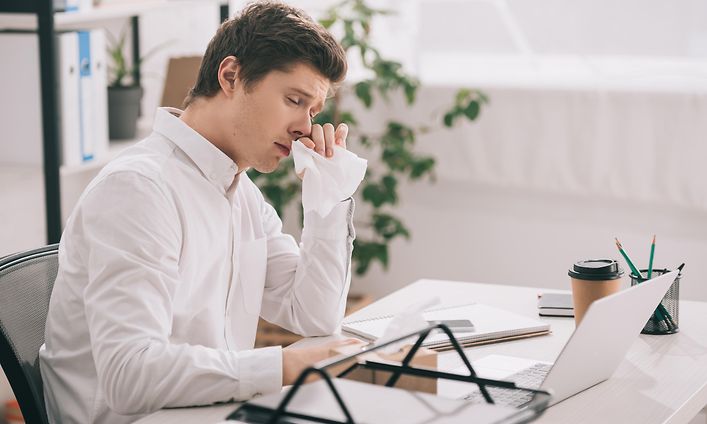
x,y
531,377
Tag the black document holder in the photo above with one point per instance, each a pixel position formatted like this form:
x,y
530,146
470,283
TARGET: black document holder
x,y
252,412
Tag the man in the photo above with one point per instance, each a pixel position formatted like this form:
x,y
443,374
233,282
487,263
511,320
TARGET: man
x,y
172,253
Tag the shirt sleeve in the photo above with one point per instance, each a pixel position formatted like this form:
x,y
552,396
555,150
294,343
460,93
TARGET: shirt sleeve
x,y
132,250
306,285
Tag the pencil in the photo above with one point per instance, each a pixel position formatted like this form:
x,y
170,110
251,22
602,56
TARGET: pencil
x,y
661,313
628,260
650,260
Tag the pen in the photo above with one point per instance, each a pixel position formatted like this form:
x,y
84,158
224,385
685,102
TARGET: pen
x,y
650,260
661,313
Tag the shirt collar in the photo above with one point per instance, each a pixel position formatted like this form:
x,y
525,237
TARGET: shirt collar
x,y
218,168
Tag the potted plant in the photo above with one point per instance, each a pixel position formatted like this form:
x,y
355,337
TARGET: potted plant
x,y
124,94
393,154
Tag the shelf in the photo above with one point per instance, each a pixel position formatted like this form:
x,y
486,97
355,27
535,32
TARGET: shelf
x,y
144,128
72,20
24,16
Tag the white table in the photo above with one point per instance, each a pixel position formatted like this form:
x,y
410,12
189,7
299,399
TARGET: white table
x,y
662,380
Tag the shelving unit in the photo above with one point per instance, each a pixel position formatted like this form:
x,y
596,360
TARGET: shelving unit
x,y
72,20
39,16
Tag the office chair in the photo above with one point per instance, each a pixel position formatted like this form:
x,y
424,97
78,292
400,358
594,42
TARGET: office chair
x,y
26,281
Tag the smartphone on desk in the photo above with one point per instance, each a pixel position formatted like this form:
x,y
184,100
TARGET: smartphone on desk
x,y
456,325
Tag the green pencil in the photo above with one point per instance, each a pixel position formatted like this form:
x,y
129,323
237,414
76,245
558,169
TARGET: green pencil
x,y
650,260
628,261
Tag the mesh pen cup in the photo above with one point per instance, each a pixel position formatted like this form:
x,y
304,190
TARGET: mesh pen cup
x,y
664,319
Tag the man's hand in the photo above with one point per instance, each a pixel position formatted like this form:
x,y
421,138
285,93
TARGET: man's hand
x,y
295,360
323,138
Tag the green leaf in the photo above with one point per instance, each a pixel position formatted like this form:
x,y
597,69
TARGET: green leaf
x,y
410,91
472,110
449,119
366,252
462,95
328,21
363,92
347,118
422,167
389,226
390,183
380,193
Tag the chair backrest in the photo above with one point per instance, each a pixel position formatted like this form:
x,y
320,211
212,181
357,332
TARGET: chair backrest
x,y
26,282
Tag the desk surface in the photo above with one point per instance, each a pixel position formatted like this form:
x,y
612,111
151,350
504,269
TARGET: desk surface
x,y
663,379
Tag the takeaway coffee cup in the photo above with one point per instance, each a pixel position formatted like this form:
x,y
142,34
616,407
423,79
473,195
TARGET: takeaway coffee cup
x,y
593,279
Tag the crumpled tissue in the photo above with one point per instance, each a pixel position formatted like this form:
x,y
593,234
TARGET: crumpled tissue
x,y
327,181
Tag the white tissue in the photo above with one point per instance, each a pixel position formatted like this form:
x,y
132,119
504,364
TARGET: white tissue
x,y
405,322
327,181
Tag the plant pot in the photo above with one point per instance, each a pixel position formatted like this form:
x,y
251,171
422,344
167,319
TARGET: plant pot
x,y
123,111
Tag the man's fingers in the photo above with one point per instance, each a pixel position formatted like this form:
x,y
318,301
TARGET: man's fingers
x,y
329,139
307,142
323,138
318,137
342,131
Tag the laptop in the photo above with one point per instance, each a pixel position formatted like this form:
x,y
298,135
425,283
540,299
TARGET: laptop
x,y
591,355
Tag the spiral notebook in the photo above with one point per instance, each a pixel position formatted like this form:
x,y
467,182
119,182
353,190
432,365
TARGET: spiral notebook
x,y
491,325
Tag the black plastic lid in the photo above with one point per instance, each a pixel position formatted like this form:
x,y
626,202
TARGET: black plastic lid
x,y
596,269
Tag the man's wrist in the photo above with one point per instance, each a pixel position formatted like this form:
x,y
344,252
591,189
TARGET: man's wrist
x,y
334,226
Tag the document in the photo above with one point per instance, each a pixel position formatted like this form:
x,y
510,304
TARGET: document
x,y
491,324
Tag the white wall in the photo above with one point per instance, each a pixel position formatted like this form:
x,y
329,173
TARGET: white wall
x,y
528,232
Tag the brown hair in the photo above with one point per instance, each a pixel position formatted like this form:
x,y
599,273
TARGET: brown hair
x,y
268,36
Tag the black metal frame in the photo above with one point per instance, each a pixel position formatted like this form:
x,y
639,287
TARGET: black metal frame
x,y
224,12
32,411
273,416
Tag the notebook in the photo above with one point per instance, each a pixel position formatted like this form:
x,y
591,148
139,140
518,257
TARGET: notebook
x,y
491,324
555,305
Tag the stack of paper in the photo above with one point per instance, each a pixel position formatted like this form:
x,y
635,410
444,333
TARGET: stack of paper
x,y
490,325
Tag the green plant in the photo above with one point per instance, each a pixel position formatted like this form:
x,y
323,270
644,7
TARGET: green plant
x,y
396,145
121,72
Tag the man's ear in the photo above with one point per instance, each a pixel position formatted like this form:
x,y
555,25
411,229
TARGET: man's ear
x,y
228,75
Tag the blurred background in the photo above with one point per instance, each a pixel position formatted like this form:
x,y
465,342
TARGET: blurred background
x,y
589,124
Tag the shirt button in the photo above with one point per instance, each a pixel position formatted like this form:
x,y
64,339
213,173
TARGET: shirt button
x,y
212,176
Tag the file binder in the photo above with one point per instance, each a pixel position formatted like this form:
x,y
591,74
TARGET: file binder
x,y
82,98
352,402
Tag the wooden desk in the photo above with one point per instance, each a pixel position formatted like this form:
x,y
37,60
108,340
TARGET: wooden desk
x,y
662,380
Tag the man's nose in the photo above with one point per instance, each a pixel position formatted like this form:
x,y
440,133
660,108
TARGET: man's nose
x,y
301,128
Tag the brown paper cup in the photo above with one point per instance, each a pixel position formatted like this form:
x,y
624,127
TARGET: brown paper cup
x,y
584,292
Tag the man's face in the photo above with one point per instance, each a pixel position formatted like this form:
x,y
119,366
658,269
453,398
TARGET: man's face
x,y
272,113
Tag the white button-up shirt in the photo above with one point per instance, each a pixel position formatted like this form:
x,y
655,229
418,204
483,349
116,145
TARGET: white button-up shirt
x,y
165,265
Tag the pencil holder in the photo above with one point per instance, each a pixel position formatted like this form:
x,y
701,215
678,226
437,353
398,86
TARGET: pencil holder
x,y
664,319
